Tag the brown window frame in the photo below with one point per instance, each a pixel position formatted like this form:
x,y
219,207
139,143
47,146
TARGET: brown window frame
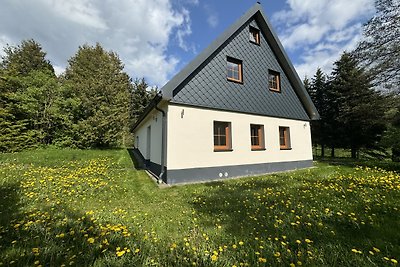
x,y
285,137
277,82
226,126
254,33
239,63
259,129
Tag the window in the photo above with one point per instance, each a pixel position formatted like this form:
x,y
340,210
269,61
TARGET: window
x,y
234,69
254,35
284,137
222,136
257,137
274,81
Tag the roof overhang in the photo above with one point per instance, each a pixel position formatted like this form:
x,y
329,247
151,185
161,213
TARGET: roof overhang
x,y
153,103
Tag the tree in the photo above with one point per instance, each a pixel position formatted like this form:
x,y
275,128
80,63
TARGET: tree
x,y
96,92
27,89
141,95
379,51
359,108
317,90
22,59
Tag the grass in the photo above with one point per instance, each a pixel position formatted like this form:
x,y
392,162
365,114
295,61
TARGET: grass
x,y
92,208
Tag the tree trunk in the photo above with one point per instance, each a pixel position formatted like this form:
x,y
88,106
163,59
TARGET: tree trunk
x,y
333,152
322,150
353,153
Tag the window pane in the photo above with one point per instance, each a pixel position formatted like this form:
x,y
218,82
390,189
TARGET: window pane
x,y
221,130
234,69
284,137
273,80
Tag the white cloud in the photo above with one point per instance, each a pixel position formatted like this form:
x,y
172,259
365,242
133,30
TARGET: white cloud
x,y
212,16
321,30
4,41
138,30
307,21
184,31
323,56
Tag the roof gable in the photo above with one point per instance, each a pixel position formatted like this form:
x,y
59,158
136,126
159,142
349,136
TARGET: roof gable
x,y
297,103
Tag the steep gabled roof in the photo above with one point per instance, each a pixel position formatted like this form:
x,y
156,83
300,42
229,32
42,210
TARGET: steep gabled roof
x,y
257,13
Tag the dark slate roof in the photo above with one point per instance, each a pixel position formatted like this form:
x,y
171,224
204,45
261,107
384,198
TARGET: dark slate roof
x,y
203,81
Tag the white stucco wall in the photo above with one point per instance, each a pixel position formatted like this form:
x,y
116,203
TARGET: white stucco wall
x,y
153,119
191,144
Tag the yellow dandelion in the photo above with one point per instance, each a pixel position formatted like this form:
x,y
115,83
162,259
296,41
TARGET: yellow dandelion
x,y
376,249
308,240
120,253
394,261
90,240
356,251
292,265
214,257
277,254
137,250
234,246
262,259
241,243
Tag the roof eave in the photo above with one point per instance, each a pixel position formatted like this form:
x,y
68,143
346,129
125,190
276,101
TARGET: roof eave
x,y
153,103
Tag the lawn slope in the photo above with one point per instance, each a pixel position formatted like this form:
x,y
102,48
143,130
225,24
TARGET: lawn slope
x,y
92,208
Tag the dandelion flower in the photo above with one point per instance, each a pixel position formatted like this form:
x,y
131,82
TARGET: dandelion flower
x,y
90,240
262,259
120,253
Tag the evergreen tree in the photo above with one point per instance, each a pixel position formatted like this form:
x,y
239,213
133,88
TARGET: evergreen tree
x,y
359,108
379,51
27,80
318,94
97,102
141,95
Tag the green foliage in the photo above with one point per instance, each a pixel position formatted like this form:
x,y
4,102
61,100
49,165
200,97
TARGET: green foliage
x,y
24,58
27,88
96,94
94,104
379,52
141,95
391,137
359,109
319,95
92,208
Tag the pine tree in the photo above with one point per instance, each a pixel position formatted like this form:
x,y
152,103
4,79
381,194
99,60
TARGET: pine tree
x,y
97,98
141,95
317,91
26,85
359,108
379,51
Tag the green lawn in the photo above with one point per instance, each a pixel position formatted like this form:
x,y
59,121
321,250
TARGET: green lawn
x,y
92,208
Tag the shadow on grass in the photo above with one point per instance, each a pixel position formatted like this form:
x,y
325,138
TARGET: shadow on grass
x,y
137,159
57,235
9,209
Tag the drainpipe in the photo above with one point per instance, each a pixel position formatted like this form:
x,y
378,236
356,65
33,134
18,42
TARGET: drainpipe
x,y
163,141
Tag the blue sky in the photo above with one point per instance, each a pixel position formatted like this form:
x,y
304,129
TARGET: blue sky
x,y
157,38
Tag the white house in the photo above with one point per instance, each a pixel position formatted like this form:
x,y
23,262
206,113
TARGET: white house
x,y
238,109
